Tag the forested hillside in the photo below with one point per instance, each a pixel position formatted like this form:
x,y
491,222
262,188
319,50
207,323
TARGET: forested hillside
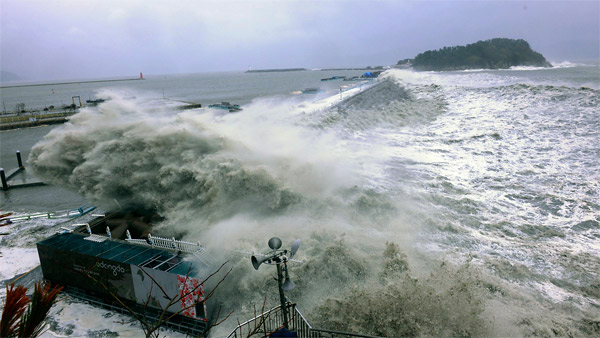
x,y
489,54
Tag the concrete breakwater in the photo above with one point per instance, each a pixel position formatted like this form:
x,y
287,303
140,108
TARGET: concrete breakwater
x,y
69,82
32,119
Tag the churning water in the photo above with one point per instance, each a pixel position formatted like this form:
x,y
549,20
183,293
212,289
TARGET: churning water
x,y
432,204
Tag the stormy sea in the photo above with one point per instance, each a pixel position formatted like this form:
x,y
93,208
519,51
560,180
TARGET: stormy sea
x,y
428,203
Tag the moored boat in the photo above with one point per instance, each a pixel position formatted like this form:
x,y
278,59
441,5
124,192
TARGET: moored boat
x,y
310,90
226,105
333,78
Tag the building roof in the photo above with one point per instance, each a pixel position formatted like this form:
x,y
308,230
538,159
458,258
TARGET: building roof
x,y
123,252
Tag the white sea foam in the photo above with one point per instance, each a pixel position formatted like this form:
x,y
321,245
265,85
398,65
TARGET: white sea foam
x,y
17,260
565,64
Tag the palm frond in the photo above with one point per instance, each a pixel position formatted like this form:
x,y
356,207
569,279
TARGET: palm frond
x,y
32,323
14,306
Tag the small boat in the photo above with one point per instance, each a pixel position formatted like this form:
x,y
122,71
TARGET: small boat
x,y
82,210
310,90
5,215
226,105
333,78
370,75
94,102
4,220
73,213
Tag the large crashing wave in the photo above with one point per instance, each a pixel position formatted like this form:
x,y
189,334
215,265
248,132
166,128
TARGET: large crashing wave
x,y
233,181
133,157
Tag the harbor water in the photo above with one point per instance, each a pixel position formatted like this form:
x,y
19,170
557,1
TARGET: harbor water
x,y
428,203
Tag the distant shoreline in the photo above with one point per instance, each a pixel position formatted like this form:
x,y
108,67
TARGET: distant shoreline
x,y
275,70
70,82
359,68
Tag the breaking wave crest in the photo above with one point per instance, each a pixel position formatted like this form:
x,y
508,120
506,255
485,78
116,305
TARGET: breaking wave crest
x,y
388,104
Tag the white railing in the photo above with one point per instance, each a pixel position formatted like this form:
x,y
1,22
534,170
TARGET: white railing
x,y
96,238
172,244
138,241
167,244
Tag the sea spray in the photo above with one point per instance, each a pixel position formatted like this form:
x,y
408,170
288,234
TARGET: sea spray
x,y
175,162
231,184
449,302
435,164
217,185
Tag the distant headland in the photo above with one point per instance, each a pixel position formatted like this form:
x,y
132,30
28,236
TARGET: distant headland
x,y
499,53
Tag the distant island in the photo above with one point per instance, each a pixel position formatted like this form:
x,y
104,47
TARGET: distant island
x,y
499,53
8,76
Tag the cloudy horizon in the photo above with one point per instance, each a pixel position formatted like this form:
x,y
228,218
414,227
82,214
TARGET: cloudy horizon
x,y
43,40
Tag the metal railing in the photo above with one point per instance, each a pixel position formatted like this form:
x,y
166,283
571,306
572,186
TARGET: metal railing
x,y
172,244
268,322
167,243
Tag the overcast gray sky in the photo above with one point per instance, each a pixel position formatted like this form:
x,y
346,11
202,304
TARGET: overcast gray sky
x,y
43,39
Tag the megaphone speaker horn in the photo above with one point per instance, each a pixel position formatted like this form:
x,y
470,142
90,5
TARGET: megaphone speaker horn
x,y
288,285
295,247
274,243
256,262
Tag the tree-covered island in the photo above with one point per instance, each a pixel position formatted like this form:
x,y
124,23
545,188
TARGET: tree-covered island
x,y
499,53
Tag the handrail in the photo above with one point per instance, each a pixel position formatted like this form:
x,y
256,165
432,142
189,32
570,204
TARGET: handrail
x,y
264,324
348,334
260,315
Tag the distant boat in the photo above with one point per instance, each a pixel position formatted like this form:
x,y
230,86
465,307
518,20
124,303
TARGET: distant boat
x,y
94,102
310,90
370,75
226,105
333,78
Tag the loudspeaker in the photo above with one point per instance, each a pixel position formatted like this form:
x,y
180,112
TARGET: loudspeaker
x,y
256,262
274,243
288,284
295,247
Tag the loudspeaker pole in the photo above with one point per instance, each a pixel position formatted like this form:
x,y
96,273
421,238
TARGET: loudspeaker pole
x,y
279,258
281,295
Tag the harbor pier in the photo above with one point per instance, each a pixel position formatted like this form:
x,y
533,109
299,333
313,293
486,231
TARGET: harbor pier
x,y
5,177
